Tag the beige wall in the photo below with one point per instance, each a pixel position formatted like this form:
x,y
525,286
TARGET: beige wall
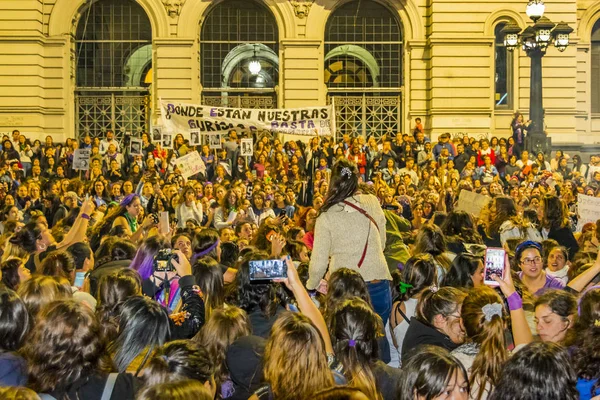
x,y
448,63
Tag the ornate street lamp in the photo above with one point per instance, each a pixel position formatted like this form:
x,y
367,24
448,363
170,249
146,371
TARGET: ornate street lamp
x,y
535,40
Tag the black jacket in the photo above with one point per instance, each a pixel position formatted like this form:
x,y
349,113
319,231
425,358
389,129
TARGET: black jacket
x,y
419,334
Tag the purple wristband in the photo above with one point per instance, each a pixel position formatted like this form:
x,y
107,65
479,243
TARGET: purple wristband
x,y
514,301
85,216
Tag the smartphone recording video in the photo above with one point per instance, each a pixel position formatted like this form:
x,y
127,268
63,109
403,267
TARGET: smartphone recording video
x,y
267,270
494,265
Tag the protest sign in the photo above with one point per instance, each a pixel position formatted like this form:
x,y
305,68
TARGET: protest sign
x,y
81,159
471,202
195,139
190,164
157,134
183,117
214,140
135,147
588,208
247,148
167,141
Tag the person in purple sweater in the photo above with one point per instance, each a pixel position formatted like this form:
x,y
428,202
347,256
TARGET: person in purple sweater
x,y
528,257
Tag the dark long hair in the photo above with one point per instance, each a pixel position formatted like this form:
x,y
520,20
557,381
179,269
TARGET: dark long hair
x,y
113,290
541,370
177,361
343,183
27,237
460,225
252,295
104,227
554,216
209,277
419,272
15,321
354,328
143,326
345,284
10,273
427,371
462,269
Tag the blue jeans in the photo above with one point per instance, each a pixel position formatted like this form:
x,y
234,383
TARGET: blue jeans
x,y
381,298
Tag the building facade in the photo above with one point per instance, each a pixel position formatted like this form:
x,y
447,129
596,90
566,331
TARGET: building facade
x,y
70,67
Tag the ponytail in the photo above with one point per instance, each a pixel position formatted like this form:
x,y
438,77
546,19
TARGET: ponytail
x,y
484,319
354,328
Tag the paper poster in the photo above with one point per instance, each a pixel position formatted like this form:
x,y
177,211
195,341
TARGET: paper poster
x,y
195,137
156,134
135,147
309,121
81,159
471,202
214,140
247,148
167,141
190,164
588,208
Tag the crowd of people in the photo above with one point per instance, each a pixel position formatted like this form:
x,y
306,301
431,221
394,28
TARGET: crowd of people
x,y
129,281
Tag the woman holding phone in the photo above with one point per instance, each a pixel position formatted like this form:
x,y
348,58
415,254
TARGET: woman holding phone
x,y
350,233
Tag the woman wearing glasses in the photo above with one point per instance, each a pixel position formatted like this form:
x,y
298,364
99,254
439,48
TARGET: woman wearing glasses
x,y
528,257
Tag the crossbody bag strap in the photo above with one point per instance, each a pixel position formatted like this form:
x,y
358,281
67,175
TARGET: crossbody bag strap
x,y
109,386
371,219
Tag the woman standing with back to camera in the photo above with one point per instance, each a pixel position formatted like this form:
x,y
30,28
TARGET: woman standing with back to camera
x,y
350,233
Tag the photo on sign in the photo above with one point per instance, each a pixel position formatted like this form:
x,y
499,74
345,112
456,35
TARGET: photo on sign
x,y
214,140
156,134
81,159
247,148
135,147
195,138
167,141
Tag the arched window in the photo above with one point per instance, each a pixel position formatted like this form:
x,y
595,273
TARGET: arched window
x,y
113,56
595,78
363,68
239,55
503,76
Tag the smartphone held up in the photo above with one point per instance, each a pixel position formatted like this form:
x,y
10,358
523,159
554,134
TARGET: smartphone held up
x,y
267,270
493,265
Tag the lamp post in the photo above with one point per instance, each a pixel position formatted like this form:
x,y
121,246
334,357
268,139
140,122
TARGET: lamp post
x,y
535,40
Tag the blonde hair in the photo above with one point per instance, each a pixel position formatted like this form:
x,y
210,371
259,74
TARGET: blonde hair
x,y
14,251
295,362
488,333
224,326
17,393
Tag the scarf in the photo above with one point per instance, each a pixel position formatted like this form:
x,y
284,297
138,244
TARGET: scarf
x,y
561,274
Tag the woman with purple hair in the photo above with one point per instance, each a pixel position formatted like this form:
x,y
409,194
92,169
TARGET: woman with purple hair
x,y
126,216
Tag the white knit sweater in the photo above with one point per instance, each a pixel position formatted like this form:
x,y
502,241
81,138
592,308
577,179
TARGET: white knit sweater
x,y
340,235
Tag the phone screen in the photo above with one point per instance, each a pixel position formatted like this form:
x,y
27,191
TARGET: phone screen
x,y
267,269
79,279
494,264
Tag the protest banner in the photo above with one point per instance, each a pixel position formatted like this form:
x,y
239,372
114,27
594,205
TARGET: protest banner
x,y
183,117
588,209
247,148
81,159
471,202
190,164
